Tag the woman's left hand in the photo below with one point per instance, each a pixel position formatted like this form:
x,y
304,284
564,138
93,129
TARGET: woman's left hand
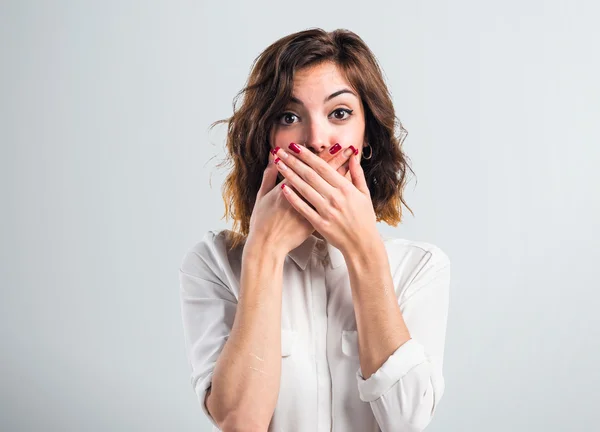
x,y
343,211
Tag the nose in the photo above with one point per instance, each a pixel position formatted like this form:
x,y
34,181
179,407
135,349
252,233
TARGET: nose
x,y
318,139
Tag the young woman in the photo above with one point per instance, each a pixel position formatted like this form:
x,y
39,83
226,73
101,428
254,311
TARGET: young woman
x,y
304,318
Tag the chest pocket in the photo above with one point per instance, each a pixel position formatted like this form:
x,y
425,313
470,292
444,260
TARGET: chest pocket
x,y
350,343
288,341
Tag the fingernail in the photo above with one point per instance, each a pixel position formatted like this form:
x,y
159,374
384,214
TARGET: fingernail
x,y
275,150
294,148
349,151
335,148
354,149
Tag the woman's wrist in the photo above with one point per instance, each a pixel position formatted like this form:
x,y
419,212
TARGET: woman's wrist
x,y
259,249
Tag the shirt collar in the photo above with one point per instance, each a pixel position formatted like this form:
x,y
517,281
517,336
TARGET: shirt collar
x,y
302,253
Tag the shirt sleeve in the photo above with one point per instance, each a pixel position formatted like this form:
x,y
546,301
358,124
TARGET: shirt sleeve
x,y
208,310
406,390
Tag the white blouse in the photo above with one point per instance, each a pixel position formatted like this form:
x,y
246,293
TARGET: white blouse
x,y
322,388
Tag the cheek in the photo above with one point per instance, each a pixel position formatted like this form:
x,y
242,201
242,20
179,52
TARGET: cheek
x,y
282,136
353,136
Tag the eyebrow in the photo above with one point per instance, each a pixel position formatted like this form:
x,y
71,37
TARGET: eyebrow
x,y
328,98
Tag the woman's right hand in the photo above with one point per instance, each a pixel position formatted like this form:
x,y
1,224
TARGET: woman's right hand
x,y
274,221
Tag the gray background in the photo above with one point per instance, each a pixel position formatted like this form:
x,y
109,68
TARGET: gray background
x,y
106,162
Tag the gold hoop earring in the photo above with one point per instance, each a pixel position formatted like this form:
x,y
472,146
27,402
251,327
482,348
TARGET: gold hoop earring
x,y
370,154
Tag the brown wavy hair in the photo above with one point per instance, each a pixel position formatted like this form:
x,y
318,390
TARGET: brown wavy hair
x,y
266,94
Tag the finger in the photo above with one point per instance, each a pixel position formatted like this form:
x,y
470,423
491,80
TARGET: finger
x,y
280,178
302,207
305,172
300,185
345,165
316,163
339,162
269,178
343,170
341,159
358,175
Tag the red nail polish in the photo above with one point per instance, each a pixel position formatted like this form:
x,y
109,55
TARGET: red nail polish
x,y
354,149
336,148
275,150
282,186
277,160
294,148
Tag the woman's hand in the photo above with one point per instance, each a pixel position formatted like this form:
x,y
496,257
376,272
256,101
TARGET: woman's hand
x,y
341,210
274,221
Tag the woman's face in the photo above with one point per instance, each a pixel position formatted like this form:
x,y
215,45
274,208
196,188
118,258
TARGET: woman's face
x,y
319,115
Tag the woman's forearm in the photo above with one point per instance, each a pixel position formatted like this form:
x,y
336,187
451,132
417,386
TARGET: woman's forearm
x,y
245,384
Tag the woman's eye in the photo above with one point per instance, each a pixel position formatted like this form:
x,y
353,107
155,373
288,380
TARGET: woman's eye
x,y
287,118
340,113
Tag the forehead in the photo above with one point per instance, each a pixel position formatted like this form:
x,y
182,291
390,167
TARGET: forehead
x,y
322,78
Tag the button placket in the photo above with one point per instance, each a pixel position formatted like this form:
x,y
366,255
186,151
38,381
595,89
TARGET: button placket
x,y
319,301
